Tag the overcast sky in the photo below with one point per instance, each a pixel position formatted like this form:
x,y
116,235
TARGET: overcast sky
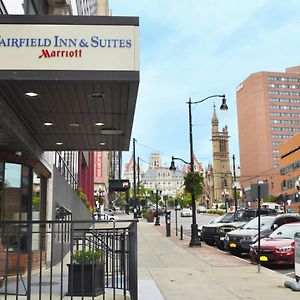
x,y
197,48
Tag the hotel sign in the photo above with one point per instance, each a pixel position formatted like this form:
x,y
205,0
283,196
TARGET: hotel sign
x,y
69,47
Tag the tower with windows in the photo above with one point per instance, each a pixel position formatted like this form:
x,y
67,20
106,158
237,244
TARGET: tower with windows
x,y
222,176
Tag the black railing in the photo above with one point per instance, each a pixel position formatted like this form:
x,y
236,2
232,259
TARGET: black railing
x,y
38,259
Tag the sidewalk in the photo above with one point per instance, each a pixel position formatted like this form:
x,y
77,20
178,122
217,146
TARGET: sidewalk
x,y
170,269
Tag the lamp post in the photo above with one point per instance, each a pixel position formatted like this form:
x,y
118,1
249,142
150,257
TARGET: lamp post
x,y
297,186
157,216
138,186
259,225
195,240
234,184
224,195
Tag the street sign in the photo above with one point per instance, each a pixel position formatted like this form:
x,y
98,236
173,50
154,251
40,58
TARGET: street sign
x,y
119,185
264,190
297,256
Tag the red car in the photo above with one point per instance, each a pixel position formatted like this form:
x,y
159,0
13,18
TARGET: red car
x,y
278,248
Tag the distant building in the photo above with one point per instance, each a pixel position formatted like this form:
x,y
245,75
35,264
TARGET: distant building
x,y
208,192
128,171
160,178
268,106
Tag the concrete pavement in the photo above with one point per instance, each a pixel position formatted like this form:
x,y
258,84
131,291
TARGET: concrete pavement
x,y
170,269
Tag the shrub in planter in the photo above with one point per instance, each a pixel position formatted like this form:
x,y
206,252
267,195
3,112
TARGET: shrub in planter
x,y
86,274
149,215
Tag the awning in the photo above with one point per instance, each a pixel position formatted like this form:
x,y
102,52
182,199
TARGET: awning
x,y
67,82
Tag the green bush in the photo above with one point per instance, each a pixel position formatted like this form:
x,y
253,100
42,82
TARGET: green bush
x,y
86,257
216,211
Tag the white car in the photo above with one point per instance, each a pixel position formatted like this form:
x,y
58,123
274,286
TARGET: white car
x,y
186,212
201,209
104,216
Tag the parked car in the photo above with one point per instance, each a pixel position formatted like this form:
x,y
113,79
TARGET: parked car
x,y
210,232
239,241
201,209
215,220
272,205
278,248
240,220
186,212
104,216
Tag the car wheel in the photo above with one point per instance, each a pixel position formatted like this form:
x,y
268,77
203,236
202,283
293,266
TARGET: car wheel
x,y
235,252
220,245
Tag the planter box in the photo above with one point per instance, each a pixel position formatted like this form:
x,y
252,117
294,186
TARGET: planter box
x,y
83,282
150,219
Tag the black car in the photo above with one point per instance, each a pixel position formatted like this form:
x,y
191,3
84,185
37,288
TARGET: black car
x,y
215,220
210,232
239,241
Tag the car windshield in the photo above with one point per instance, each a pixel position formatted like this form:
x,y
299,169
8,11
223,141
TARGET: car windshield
x,y
265,223
233,216
216,220
285,232
249,214
228,218
240,215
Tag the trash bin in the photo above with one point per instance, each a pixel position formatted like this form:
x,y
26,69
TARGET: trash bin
x,y
168,223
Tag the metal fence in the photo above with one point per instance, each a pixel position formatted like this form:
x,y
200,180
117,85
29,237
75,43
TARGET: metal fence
x,y
63,259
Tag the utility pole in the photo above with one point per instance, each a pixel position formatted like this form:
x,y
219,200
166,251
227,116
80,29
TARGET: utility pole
x,y
138,183
258,212
234,184
134,182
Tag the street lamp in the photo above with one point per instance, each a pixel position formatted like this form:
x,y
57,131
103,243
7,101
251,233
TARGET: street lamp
x,y
195,240
157,213
297,186
224,196
234,184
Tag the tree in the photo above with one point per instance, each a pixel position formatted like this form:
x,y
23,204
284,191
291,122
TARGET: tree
x,y
271,198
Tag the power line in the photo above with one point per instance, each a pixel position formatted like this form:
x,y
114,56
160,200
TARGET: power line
x,y
156,150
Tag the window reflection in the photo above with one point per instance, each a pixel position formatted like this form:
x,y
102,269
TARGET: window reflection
x,y
12,175
20,200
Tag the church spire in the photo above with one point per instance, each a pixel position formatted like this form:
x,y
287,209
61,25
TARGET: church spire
x,y
215,121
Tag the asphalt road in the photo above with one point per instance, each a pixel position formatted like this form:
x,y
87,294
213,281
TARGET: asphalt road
x,y
203,219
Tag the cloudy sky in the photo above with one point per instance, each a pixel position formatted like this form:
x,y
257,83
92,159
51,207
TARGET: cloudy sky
x,y
197,48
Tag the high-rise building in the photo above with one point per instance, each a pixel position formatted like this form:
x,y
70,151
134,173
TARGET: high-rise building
x,y
268,106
